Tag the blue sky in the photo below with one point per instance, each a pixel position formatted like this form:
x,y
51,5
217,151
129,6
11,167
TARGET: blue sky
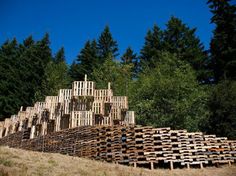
x,y
71,23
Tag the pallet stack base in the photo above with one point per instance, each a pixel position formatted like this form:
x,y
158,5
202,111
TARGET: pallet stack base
x,y
133,145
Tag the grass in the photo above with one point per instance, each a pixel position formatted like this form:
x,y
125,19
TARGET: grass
x,y
52,162
3,172
5,162
16,162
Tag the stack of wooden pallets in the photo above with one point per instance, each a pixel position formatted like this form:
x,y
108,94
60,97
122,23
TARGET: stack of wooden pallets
x,y
133,145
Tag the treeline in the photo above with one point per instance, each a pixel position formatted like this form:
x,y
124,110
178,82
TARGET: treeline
x,y
173,81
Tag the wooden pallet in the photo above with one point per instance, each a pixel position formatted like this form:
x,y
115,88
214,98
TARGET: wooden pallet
x,y
133,145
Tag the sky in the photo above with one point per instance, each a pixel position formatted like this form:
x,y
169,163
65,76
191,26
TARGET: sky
x,y
70,23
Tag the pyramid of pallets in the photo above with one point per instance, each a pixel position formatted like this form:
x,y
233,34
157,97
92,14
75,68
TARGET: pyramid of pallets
x,y
82,105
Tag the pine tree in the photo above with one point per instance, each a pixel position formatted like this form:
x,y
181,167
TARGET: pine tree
x,y
223,43
38,55
178,38
24,69
86,61
56,75
10,81
151,48
107,45
31,70
129,56
27,68
29,41
73,71
222,105
43,49
60,56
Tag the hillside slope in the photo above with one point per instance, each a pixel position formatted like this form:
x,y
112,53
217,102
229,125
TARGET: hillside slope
x,y
22,163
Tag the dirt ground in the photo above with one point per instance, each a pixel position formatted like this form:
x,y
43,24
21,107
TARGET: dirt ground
x,y
16,162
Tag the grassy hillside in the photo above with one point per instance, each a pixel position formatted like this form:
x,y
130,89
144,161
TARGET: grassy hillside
x,y
22,163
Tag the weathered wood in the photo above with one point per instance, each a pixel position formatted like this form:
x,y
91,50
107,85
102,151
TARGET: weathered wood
x,y
171,165
131,145
151,166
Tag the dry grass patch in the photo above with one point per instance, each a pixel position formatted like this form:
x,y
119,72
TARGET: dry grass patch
x,y
16,162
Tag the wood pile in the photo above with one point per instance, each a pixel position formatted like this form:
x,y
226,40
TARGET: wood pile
x,y
132,145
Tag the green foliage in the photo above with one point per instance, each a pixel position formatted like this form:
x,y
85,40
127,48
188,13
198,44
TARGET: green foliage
x,y
22,70
56,75
10,81
36,58
177,38
223,44
106,45
86,61
129,57
60,56
180,39
93,55
169,95
28,73
6,162
73,71
116,73
152,47
222,105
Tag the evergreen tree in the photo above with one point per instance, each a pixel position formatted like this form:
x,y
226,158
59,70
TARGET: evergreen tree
x,y
32,70
38,55
10,82
106,45
25,68
86,61
57,74
178,38
129,56
28,42
27,71
151,48
222,105
43,50
223,43
73,71
60,56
